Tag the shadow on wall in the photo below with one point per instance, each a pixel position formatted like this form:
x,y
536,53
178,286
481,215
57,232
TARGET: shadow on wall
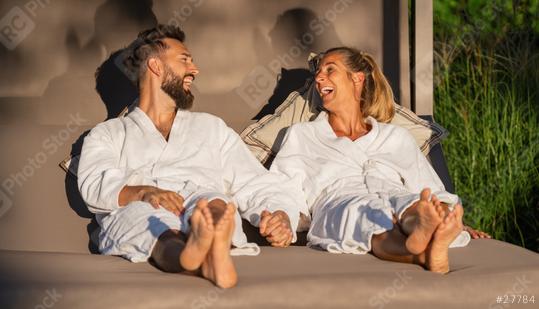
x,y
297,32
280,67
117,22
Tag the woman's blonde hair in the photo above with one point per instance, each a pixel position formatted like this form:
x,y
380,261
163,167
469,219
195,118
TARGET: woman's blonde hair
x,y
376,97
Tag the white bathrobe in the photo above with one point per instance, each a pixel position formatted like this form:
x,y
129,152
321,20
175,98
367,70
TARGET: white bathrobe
x,y
353,188
203,158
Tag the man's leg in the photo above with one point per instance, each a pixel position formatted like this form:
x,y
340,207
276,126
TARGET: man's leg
x,y
166,252
174,252
219,267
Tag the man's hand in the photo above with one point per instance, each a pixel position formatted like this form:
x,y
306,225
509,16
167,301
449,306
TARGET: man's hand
x,y
169,200
276,228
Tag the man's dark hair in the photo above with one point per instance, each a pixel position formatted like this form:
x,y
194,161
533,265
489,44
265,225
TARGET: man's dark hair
x,y
149,43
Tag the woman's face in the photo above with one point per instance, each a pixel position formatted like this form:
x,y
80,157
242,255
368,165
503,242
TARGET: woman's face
x,y
337,87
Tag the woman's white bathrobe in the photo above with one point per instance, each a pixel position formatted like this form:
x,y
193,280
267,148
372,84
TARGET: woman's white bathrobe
x,y
353,188
203,158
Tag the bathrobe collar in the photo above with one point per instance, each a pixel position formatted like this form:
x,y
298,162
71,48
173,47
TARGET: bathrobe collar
x,y
143,120
364,141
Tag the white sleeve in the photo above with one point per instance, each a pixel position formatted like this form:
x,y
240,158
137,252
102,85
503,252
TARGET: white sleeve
x,y
254,188
290,162
100,179
417,174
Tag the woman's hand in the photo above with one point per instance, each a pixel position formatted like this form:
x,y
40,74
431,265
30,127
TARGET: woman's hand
x,y
276,228
476,233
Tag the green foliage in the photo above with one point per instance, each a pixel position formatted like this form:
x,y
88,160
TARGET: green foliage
x,y
487,96
493,19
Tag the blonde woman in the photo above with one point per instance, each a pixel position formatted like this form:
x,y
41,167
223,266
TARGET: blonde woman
x,y
365,182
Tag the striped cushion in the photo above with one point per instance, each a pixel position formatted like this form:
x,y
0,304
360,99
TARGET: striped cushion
x,y
265,136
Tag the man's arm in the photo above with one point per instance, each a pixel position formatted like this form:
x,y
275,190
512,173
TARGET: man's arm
x,y
289,164
262,197
100,178
105,186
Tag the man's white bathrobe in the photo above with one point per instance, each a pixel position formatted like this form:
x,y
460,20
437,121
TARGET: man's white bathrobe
x,y
353,188
203,158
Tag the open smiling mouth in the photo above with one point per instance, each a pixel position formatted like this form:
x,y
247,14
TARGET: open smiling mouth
x,y
188,81
326,90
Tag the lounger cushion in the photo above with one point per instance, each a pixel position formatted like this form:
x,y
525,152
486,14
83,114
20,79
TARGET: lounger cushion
x,y
277,278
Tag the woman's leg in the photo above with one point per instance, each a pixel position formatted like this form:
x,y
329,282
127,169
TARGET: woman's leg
x,y
391,246
420,221
437,255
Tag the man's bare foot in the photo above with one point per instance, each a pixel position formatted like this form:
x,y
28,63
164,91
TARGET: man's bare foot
x,y
437,252
200,238
218,266
427,219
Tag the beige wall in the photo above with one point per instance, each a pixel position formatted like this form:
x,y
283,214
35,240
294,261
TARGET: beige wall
x,y
48,97
49,75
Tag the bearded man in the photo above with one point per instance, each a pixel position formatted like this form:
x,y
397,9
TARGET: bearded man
x,y
164,182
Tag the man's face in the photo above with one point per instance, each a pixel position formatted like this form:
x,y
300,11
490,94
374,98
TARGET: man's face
x,y
179,73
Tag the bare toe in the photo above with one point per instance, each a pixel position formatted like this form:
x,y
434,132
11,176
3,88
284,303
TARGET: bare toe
x,y
224,271
199,240
208,218
440,210
425,195
437,253
428,220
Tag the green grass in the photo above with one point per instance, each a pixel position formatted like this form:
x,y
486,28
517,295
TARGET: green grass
x,y
487,96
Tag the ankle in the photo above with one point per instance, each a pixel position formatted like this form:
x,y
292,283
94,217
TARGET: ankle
x,y
420,260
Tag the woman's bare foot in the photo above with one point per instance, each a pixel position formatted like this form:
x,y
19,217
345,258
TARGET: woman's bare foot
x,y
437,252
427,219
200,238
219,267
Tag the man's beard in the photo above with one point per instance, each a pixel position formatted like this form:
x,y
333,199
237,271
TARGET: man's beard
x,y
173,86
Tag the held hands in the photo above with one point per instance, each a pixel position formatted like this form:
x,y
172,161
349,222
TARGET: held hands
x,y
169,200
276,228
